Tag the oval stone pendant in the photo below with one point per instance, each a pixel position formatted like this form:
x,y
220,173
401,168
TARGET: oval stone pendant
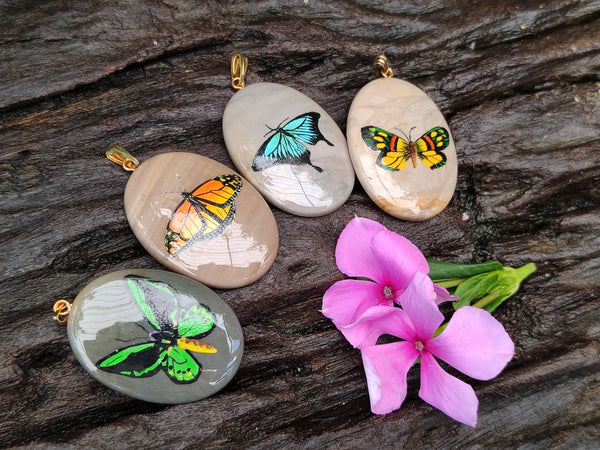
x,y
289,148
401,149
201,219
155,335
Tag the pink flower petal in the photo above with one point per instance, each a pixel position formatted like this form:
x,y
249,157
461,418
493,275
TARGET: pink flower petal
x,y
447,393
377,321
353,254
346,300
400,258
386,367
475,343
418,302
442,295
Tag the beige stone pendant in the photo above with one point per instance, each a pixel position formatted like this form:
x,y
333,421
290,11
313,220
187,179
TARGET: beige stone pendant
x,y
287,146
401,147
199,218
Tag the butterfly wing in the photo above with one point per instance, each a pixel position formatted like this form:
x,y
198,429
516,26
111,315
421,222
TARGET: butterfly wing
x,y
429,147
165,308
394,151
157,300
305,128
136,361
286,145
181,366
204,214
196,322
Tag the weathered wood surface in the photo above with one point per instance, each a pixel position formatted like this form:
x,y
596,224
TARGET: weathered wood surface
x,y
519,83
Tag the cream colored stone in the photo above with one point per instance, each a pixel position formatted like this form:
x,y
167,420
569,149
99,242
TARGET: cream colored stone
x,y
296,187
411,193
240,255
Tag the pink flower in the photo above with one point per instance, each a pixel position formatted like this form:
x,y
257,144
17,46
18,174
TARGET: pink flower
x,y
388,261
473,342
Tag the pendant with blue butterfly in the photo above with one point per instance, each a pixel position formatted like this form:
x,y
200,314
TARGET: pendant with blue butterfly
x,y
287,146
401,147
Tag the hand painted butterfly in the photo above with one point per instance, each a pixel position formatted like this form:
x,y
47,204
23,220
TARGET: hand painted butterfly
x,y
177,322
204,213
395,151
286,144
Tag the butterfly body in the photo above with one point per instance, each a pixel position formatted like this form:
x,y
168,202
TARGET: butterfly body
x,y
285,145
203,213
396,151
177,327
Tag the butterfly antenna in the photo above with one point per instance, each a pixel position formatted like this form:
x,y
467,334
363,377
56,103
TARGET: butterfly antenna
x,y
404,134
139,325
180,184
276,128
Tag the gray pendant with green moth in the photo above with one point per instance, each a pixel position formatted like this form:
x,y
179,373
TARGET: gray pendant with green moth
x,y
155,335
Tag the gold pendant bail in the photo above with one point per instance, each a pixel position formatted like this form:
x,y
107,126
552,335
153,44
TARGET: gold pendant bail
x,y
382,67
61,309
239,65
119,155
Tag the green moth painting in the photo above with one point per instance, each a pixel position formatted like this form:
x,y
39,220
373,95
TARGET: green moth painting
x,y
176,325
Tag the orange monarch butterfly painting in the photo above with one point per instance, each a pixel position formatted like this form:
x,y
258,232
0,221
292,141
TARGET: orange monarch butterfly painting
x,y
203,213
395,151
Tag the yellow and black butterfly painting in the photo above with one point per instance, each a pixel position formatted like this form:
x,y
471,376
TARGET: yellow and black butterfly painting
x,y
395,151
203,213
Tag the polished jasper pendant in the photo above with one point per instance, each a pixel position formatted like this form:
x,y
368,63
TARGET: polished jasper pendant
x,y
201,219
288,147
401,148
154,335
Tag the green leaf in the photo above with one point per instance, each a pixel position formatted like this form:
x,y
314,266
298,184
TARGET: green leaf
x,y
509,282
440,271
475,288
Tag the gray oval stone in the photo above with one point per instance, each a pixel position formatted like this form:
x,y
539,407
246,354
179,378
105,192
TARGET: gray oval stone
x,y
289,148
155,335
402,149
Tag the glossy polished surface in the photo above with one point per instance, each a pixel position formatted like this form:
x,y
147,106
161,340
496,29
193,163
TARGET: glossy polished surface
x,y
414,192
154,310
273,135
238,252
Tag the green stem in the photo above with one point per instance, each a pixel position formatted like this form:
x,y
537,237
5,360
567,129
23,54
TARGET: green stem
x,y
524,271
484,301
450,283
440,329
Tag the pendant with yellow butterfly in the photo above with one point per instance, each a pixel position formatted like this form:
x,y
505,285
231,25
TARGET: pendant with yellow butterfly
x,y
199,218
412,178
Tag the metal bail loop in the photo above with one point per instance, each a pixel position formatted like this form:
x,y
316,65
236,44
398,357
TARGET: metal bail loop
x,y
61,309
382,67
239,65
122,157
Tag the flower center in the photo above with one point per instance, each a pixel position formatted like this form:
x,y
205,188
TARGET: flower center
x,y
388,292
419,346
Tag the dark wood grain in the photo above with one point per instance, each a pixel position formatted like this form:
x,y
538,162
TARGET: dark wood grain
x,y
519,83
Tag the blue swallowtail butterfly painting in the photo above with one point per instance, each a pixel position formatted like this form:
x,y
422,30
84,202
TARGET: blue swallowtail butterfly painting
x,y
287,143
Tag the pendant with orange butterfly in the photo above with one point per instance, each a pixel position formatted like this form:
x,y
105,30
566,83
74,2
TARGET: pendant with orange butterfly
x,y
203,213
221,233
